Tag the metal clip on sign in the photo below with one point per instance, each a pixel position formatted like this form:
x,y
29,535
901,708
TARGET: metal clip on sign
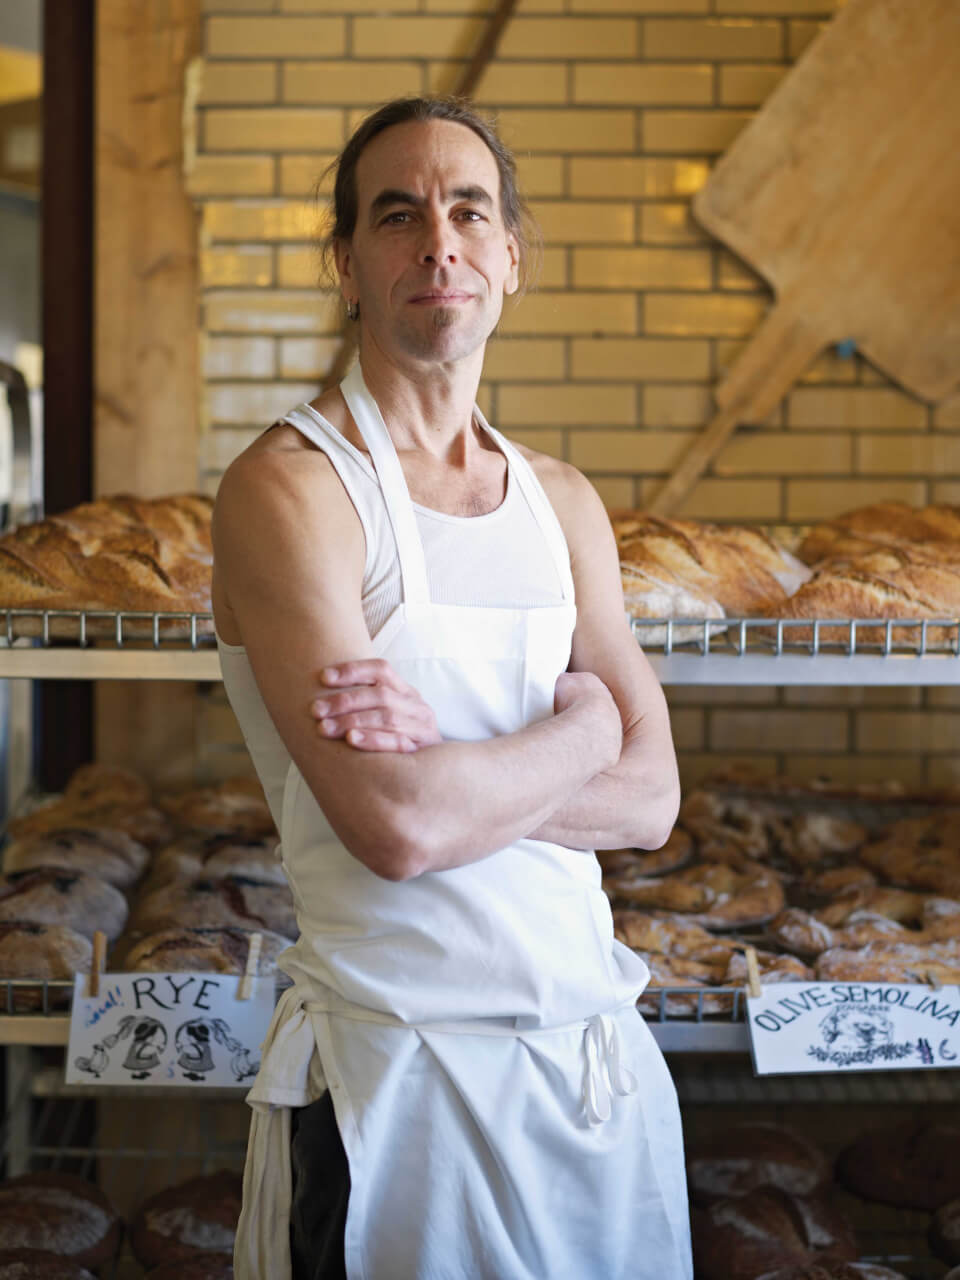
x,y
245,989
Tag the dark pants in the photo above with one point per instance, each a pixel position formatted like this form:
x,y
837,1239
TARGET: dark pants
x,y
321,1188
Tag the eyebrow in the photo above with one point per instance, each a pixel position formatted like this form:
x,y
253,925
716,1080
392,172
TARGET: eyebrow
x,y
391,196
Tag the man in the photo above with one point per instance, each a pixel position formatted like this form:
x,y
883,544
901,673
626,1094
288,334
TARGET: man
x,y
422,633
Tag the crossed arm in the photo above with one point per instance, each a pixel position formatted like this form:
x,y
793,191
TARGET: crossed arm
x,y
599,773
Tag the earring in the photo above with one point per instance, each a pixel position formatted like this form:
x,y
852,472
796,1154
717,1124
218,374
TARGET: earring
x,y
353,310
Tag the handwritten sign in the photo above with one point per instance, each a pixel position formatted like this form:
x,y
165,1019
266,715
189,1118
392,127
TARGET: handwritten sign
x,y
168,1029
803,1027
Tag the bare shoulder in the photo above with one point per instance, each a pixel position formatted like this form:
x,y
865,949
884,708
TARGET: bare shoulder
x,y
278,481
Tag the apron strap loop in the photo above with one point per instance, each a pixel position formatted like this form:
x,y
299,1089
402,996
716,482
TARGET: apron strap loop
x,y
604,1072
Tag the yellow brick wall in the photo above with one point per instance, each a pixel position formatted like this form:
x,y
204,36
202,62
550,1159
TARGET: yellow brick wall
x,y
617,110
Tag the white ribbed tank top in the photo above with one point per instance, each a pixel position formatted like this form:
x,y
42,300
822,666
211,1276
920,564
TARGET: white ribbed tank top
x,y
497,560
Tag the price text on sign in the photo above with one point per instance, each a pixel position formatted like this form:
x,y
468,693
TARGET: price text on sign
x,y
167,1029
802,1027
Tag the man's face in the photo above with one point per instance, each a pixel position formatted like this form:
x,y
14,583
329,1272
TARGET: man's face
x,y
430,258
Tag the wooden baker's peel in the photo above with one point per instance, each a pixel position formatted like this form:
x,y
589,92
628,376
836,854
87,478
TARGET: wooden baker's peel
x,y
844,193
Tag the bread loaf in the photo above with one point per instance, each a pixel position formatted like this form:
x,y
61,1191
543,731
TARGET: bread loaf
x,y
910,1166
743,1157
891,962
42,952
35,1264
888,582
237,806
740,568
743,1237
198,855
198,1216
944,1235
229,903
827,1270
711,894
883,524
202,951
99,796
60,1214
110,854
119,553
54,897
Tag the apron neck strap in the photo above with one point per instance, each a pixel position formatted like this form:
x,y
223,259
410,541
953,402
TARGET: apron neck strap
x,y
539,504
393,485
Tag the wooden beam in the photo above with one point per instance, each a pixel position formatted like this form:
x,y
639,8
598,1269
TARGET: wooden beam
x,y
466,82
146,420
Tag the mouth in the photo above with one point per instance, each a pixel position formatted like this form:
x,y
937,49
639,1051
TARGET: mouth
x,y
440,298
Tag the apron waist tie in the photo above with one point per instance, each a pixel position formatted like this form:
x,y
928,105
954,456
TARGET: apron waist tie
x,y
604,1073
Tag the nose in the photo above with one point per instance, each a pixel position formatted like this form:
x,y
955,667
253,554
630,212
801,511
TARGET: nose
x,y
437,247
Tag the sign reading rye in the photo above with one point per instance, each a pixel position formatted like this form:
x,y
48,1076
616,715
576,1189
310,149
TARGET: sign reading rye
x,y
168,1029
848,1026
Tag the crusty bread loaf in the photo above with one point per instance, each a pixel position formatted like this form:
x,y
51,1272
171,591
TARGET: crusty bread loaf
x,y
72,898
739,1159
42,952
827,1270
710,894
194,1217
887,582
199,855
742,1237
908,1165
202,951
675,853
739,568
110,854
99,796
944,1234
116,553
61,1214
891,962
232,902
36,1264
236,805
883,524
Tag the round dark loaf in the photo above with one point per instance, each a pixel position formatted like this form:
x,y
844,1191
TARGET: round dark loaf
x,y
741,1238
41,951
202,951
213,855
218,1266
61,1214
737,1160
72,898
835,1271
237,805
913,1167
195,1217
36,1264
232,902
109,854
944,1234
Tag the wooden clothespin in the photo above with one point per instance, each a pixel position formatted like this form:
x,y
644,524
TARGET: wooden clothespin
x,y
97,964
754,988
934,980
245,989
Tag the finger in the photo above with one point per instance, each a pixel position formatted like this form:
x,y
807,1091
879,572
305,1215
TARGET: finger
x,y
380,740
376,718
364,698
365,671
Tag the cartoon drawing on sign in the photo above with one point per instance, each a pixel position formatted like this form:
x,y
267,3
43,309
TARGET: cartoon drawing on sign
x,y
858,1035
149,1039
194,1045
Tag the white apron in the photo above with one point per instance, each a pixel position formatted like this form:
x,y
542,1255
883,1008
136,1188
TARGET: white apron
x,y
505,1111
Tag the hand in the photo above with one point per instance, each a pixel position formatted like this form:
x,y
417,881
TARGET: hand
x,y
366,704
583,688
